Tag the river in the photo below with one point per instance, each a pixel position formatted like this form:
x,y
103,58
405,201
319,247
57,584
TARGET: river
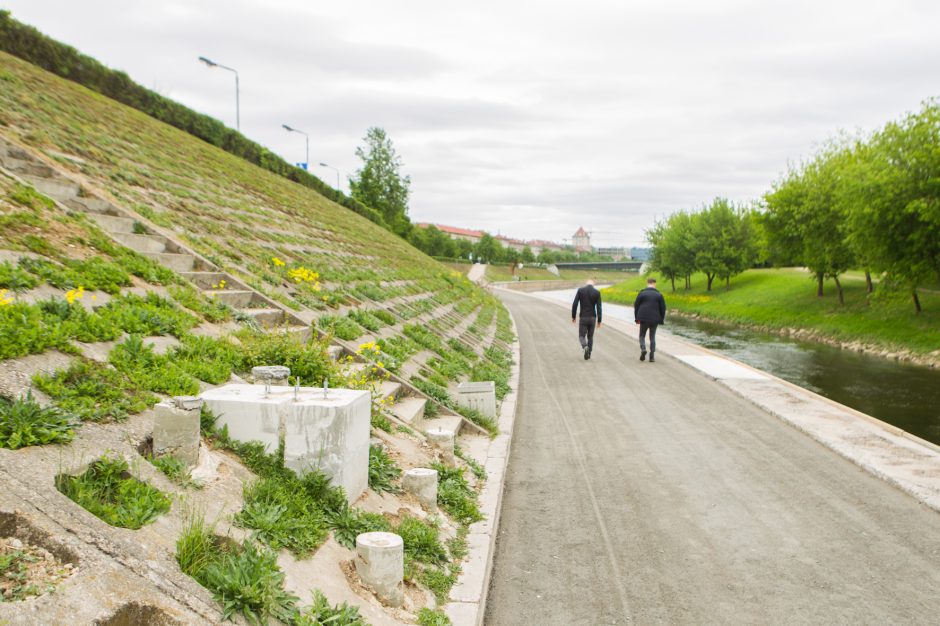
x,y
901,394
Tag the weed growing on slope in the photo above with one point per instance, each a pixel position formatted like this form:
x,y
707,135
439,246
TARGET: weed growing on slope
x,y
427,617
95,273
366,319
16,278
455,495
283,515
320,613
310,361
110,493
210,309
244,578
94,392
27,196
24,423
475,468
342,327
146,369
174,469
383,472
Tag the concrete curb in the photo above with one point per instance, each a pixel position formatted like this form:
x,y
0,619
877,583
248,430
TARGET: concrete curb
x,y
467,604
884,451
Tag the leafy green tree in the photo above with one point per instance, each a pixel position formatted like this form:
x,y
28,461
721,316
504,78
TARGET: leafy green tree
x,y
487,249
722,239
892,192
527,256
379,183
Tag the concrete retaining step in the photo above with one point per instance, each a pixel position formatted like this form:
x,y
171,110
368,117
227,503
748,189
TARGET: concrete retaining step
x,y
409,410
176,262
25,167
113,223
389,390
235,298
452,423
141,243
265,317
89,205
209,280
60,189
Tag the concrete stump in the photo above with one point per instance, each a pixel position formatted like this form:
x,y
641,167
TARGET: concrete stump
x,y
480,396
422,482
176,428
442,439
276,375
380,563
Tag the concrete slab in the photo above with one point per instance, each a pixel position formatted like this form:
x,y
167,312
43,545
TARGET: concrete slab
x,y
721,368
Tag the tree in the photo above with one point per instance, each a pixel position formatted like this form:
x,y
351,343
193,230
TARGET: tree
x,y
722,239
527,256
892,194
487,249
379,184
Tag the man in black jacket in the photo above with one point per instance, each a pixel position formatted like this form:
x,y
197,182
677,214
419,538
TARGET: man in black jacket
x,y
589,299
649,311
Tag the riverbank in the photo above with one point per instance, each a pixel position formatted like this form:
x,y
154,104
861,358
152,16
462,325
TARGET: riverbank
x,y
784,302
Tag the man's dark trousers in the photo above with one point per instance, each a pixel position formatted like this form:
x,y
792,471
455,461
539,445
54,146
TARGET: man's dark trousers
x,y
586,332
648,326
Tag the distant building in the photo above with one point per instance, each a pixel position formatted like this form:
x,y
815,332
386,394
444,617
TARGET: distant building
x,y
540,245
640,254
515,244
616,253
581,240
453,232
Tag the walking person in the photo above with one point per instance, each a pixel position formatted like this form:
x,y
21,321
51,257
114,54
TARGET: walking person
x,y
649,311
589,299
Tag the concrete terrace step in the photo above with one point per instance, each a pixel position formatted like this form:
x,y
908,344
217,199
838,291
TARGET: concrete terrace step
x,y
141,243
265,317
235,298
452,423
409,410
61,189
26,168
388,390
89,205
210,280
114,224
176,262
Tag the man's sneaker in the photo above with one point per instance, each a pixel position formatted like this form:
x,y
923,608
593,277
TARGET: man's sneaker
x,y
643,355
587,353
652,358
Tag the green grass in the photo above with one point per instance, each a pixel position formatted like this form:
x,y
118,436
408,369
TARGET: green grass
x,y
501,273
94,392
455,495
427,617
383,472
786,298
174,469
110,493
24,423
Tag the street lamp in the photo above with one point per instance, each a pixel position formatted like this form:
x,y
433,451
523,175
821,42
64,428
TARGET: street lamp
x,y
238,125
335,170
294,130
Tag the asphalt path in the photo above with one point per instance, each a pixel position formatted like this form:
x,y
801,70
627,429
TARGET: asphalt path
x,y
646,493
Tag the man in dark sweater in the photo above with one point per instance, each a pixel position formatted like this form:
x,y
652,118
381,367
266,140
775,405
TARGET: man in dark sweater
x,y
649,311
589,299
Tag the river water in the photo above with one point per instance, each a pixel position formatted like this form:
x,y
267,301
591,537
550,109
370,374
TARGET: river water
x,y
904,395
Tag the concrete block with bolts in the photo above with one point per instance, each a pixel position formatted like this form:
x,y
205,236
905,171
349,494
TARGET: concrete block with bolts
x,y
176,428
380,563
422,482
480,396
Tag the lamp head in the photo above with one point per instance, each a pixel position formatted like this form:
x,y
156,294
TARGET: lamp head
x,y
208,62
286,127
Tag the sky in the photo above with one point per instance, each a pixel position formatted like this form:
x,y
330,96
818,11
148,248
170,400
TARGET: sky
x,y
532,118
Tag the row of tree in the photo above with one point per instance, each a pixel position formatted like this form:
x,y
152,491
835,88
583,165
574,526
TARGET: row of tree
x,y
380,184
864,202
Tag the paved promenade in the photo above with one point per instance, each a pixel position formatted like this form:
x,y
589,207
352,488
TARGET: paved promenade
x,y
650,494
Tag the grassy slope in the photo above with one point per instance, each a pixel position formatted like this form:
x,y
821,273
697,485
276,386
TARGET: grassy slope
x,y
233,212
502,273
786,298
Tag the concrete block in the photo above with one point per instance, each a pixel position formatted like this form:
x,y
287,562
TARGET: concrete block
x,y
443,439
114,223
176,262
176,429
422,482
330,434
271,375
335,352
480,396
380,563
141,243
248,412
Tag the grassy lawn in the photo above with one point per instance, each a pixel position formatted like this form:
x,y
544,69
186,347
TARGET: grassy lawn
x,y
786,298
499,273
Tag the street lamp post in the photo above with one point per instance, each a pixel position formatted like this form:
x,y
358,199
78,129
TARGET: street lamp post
x,y
335,170
238,123
294,130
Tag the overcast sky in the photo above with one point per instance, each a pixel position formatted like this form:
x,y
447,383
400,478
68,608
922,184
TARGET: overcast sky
x,y
531,118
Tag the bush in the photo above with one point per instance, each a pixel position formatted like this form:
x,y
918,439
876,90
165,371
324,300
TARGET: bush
x,y
310,361
283,516
24,423
107,491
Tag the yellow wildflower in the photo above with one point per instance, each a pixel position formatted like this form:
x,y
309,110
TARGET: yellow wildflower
x,y
277,262
74,294
303,275
4,299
